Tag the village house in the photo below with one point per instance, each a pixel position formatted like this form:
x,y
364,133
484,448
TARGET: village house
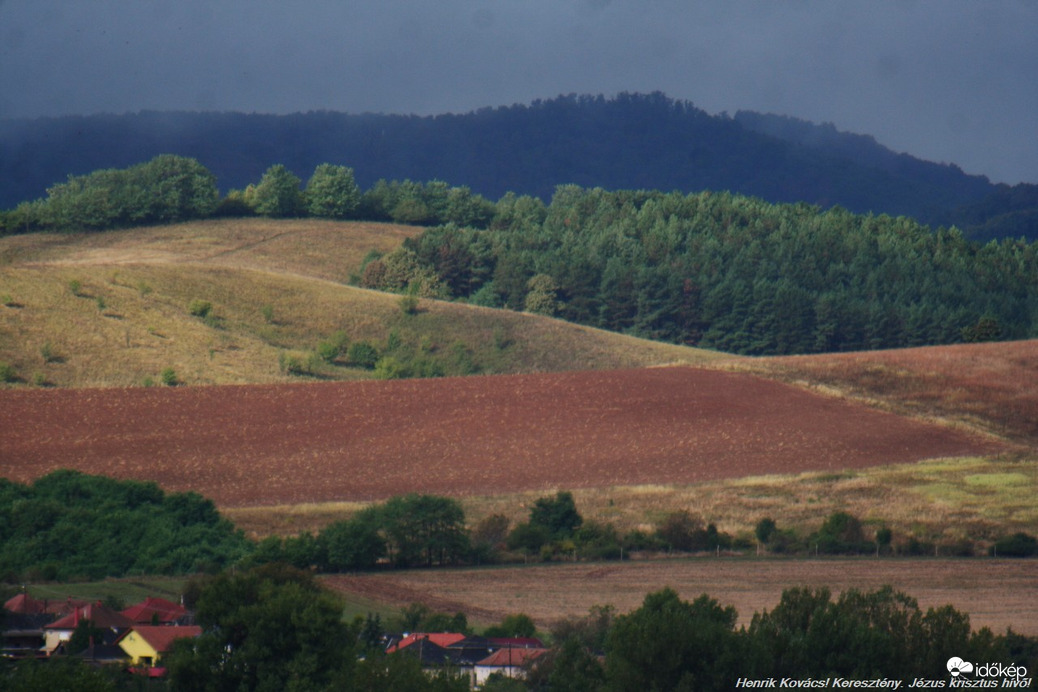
x,y
472,657
113,623
147,644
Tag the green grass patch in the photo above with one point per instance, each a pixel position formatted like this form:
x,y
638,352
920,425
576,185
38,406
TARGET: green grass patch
x,y
129,591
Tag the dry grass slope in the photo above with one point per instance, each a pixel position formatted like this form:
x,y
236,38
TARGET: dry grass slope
x,y
112,309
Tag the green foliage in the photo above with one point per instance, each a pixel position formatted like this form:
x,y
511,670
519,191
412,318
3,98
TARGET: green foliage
x,y
164,190
1017,545
557,515
515,625
58,673
332,192
735,273
93,527
277,193
862,635
268,628
75,287
332,348
541,295
8,373
169,377
841,533
425,530
362,354
200,308
665,644
765,529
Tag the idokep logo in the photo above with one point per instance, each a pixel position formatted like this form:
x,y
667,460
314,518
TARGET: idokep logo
x,y
956,666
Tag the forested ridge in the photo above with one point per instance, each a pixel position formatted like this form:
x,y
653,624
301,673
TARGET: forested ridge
x,y
716,270
730,272
630,141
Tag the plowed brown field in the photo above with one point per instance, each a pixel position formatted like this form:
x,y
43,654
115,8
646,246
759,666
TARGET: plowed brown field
x,y
270,444
996,593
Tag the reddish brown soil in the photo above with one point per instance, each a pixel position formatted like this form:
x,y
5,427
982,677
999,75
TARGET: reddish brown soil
x,y
996,593
270,444
995,384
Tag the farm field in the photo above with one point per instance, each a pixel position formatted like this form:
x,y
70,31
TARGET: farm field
x,y
996,593
324,442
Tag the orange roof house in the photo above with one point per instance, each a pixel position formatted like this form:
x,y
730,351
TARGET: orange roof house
x,y
146,644
155,611
510,662
441,639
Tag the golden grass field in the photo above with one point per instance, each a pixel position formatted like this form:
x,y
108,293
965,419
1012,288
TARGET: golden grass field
x,y
275,286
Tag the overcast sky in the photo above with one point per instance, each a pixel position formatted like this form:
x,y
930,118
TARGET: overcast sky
x,y
946,80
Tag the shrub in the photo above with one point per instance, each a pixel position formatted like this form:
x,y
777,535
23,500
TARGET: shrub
x,y
1018,545
7,372
362,354
75,287
169,377
330,349
200,308
408,304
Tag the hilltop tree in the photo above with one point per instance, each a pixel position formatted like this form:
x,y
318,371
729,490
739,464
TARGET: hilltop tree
x,y
332,192
277,193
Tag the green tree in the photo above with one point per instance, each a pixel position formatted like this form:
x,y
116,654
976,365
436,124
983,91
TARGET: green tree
x,y
355,544
542,295
425,530
269,628
670,644
332,192
557,515
277,193
764,530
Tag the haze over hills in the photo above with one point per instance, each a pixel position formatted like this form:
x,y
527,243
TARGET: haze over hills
x,y
632,141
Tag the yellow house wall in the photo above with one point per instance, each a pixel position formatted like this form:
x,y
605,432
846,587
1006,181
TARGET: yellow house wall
x,y
135,646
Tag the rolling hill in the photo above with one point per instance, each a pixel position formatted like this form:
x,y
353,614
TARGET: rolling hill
x,y
86,320
114,309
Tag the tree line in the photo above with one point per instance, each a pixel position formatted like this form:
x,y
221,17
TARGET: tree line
x,y
69,525
627,141
715,270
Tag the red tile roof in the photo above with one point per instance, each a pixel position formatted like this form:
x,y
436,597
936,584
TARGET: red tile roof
x,y
443,639
145,611
161,637
510,657
97,614
24,604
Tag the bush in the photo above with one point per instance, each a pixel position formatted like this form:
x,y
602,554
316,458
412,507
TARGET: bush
x,y
8,373
1018,545
169,377
200,308
362,354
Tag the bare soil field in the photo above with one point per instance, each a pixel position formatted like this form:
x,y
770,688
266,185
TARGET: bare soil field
x,y
996,593
991,385
322,442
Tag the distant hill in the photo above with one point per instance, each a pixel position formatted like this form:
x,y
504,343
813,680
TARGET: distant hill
x,y
632,141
